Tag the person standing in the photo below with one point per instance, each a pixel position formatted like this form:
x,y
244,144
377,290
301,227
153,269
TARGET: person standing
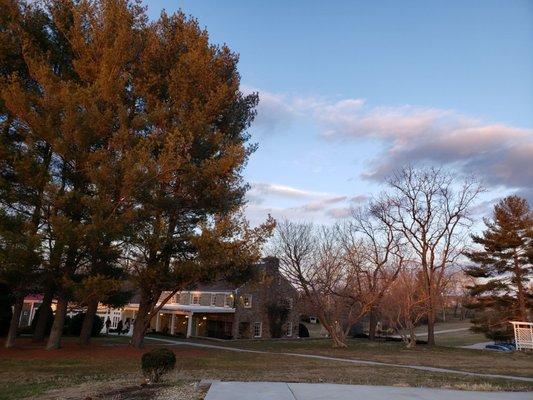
x,y
119,327
107,325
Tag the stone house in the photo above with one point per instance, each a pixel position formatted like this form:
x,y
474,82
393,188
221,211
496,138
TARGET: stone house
x,y
219,309
225,310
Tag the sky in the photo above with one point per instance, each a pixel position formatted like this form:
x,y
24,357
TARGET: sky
x,y
351,90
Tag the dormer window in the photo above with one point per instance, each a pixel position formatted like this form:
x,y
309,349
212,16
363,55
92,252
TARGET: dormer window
x,y
228,300
290,303
195,298
213,300
247,301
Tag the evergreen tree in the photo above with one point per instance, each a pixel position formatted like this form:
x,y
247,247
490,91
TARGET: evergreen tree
x,y
503,269
121,139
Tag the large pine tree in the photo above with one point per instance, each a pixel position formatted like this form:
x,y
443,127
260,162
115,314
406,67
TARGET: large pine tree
x,y
121,140
503,268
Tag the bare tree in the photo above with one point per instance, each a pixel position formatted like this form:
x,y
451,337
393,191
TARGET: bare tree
x,y
372,248
430,210
341,273
311,258
405,304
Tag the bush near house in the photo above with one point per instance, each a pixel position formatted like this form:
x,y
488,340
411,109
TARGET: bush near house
x,y
5,309
277,316
302,331
75,323
157,362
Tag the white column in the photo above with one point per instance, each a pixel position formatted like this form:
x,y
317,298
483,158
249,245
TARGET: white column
x,y
157,322
189,325
132,320
172,322
30,317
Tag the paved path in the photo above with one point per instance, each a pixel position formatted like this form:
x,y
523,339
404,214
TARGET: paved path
x,y
327,391
444,331
477,346
347,360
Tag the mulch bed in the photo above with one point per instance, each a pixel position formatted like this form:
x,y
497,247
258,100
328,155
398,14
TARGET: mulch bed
x,y
27,350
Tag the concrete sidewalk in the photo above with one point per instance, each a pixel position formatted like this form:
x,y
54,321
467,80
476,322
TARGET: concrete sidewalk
x,y
327,391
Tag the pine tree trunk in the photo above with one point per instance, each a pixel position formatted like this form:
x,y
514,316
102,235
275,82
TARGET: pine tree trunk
x,y
88,321
15,318
142,322
54,341
372,323
520,289
44,315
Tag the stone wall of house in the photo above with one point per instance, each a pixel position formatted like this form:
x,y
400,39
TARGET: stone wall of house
x,y
267,287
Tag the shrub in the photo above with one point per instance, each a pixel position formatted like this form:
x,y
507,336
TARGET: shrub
x,y
76,322
303,331
157,362
5,309
277,315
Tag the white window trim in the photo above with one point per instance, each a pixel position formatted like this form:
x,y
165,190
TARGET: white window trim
x,y
260,330
250,299
289,332
213,299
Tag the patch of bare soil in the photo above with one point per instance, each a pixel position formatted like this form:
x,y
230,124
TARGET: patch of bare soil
x,y
70,349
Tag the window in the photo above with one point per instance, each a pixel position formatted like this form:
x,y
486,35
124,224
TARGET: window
x,y
195,298
228,300
258,329
213,300
247,300
289,329
290,302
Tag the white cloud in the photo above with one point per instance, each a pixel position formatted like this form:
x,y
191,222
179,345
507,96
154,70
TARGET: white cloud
x,y
500,154
263,189
311,205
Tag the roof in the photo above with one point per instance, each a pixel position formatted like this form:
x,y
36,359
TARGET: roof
x,y
217,286
34,297
195,308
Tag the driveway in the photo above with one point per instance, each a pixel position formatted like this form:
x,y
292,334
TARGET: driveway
x,y
327,391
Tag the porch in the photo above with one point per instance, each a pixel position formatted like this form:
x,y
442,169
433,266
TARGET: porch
x,y
194,321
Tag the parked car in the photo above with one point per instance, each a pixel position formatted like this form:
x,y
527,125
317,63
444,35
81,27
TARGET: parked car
x,y
499,347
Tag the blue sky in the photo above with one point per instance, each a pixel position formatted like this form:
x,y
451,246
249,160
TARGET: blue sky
x,y
351,90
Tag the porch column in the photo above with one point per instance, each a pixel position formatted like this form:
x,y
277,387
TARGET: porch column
x,y
30,317
132,320
189,325
157,322
172,322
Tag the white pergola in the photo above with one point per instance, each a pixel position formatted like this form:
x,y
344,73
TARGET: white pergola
x,y
523,335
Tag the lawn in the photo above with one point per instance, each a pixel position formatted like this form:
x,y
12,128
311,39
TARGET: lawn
x,y
463,337
108,367
517,363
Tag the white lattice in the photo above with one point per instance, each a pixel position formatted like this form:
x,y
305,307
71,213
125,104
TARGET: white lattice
x,y
523,335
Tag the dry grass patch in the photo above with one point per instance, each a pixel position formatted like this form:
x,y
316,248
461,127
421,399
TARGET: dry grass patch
x,y
489,362
105,371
